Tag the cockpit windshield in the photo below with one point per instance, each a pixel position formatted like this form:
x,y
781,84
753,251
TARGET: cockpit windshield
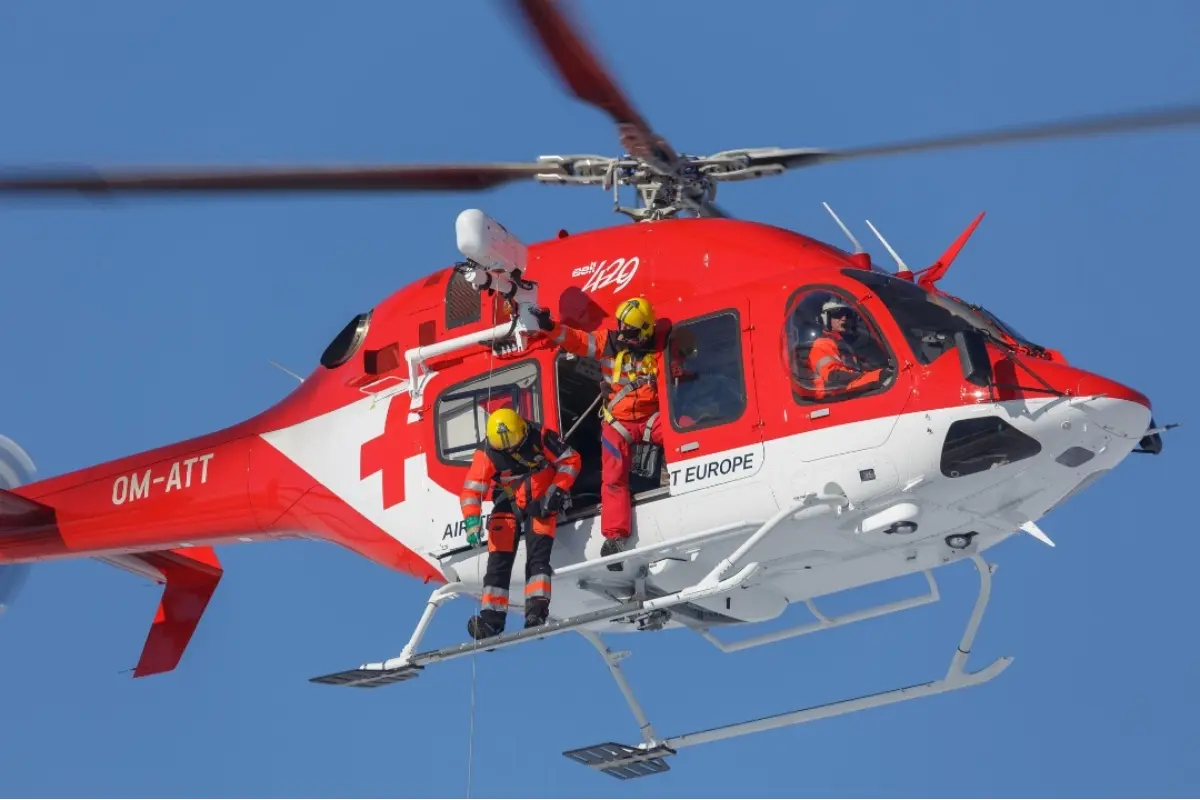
x,y
930,319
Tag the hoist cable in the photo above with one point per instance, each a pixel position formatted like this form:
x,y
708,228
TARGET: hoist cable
x,y
479,576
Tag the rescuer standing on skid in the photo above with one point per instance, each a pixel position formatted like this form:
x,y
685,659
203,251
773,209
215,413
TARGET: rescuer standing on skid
x,y
629,359
531,472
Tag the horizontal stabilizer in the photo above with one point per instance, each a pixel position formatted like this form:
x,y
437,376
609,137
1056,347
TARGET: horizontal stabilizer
x,y
19,513
191,576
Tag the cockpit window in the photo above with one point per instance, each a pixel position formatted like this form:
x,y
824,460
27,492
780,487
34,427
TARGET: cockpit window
x,y
930,319
1012,332
832,348
347,342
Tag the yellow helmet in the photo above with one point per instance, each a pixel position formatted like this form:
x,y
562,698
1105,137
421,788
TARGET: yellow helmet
x,y
635,320
506,429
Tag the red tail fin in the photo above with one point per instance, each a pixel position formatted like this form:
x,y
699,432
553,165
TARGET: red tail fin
x,y
191,576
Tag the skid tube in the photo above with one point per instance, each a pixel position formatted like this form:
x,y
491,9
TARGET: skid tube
x,y
408,664
625,761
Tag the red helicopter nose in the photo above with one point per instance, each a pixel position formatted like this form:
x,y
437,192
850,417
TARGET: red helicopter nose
x,y
1090,384
1122,410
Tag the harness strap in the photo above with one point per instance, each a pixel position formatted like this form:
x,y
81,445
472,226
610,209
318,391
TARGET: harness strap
x,y
649,427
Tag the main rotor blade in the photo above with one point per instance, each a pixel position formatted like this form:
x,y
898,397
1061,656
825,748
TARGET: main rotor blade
x,y
433,177
1085,126
589,80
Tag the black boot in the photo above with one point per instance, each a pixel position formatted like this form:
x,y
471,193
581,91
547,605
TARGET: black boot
x,y
537,611
480,628
612,547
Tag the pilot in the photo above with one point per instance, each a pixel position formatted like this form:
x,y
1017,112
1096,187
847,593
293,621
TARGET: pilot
x,y
629,357
531,471
834,360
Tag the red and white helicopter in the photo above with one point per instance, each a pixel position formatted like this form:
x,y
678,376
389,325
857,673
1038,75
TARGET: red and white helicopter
x,y
770,493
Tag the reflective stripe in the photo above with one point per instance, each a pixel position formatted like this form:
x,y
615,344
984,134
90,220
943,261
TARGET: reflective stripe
x,y
606,363
538,586
511,478
825,361
470,502
621,429
476,486
567,469
649,426
591,340
495,598
561,336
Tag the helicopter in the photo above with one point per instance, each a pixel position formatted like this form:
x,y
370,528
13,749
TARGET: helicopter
x,y
771,490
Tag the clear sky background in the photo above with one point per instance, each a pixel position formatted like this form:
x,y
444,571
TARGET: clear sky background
x,y
146,322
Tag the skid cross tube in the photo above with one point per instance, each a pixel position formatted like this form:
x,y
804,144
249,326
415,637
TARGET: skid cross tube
x,y
824,622
633,761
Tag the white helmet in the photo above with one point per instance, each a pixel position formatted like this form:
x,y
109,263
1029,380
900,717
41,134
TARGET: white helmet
x,y
834,304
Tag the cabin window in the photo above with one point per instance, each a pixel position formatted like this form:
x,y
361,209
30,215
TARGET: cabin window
x,y
347,342
832,348
983,443
706,383
461,412
464,303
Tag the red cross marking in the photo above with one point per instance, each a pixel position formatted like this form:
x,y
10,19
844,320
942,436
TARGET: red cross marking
x,y
387,452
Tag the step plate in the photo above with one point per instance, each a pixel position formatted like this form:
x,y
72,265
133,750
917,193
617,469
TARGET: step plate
x,y
623,761
368,678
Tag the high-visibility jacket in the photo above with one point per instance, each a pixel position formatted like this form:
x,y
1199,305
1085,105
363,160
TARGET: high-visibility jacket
x,y
834,362
632,376
523,475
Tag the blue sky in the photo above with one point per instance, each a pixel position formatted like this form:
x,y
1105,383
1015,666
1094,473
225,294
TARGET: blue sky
x,y
147,322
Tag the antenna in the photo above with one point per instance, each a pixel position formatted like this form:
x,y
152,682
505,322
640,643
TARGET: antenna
x,y
903,270
858,248
288,371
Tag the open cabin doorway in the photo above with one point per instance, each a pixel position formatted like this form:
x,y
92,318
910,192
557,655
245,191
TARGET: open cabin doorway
x,y
579,382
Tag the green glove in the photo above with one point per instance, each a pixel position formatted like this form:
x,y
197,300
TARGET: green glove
x,y
473,527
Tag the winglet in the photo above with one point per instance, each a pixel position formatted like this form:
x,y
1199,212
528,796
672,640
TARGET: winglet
x,y
191,576
932,274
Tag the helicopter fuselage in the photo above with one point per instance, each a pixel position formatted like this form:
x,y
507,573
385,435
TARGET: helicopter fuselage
x,y
928,464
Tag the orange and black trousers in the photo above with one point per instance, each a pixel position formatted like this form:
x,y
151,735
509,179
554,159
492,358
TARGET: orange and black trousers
x,y
506,524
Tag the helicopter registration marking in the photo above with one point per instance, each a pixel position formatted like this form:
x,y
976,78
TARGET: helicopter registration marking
x,y
136,486
619,271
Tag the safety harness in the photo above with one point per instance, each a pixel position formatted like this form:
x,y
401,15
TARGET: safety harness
x,y
509,483
629,375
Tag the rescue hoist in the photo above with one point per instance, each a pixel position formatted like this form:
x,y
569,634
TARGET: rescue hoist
x,y
495,261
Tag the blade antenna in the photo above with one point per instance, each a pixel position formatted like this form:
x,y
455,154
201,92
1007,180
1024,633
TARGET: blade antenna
x,y
858,248
903,271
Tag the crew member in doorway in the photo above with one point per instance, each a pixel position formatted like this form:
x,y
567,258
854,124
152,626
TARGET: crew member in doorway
x,y
530,472
834,359
629,358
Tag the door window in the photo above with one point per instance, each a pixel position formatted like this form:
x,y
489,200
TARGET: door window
x,y
706,382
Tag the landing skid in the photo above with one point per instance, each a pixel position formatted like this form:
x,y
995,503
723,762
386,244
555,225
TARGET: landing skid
x,y
649,756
